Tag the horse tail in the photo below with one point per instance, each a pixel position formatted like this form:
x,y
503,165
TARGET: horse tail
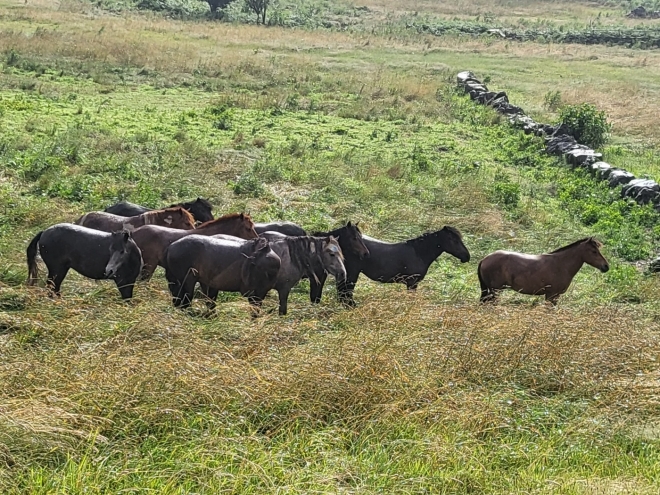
x,y
486,293
32,250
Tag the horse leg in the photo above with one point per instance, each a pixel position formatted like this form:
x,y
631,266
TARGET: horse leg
x,y
488,295
147,272
255,305
316,289
55,280
284,300
345,290
211,296
552,298
125,289
412,283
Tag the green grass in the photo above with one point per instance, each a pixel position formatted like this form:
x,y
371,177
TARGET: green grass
x,y
407,393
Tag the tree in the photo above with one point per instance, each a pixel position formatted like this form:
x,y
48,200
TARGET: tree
x,y
258,7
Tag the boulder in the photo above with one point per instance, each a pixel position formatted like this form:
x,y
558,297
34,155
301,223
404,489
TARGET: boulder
x,y
619,177
582,157
654,265
600,169
641,190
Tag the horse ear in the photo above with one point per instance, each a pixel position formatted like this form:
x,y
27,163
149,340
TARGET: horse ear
x,y
348,224
241,216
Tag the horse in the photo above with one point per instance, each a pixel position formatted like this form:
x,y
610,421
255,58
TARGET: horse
x,y
546,275
200,209
286,228
176,218
228,264
154,240
404,262
352,246
303,257
92,253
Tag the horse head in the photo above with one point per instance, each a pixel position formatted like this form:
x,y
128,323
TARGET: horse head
x,y
353,240
452,243
332,258
592,256
125,257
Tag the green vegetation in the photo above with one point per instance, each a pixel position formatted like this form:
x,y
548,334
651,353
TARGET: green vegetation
x,y
588,124
408,393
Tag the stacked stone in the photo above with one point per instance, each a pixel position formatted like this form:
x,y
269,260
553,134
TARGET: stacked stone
x,y
559,141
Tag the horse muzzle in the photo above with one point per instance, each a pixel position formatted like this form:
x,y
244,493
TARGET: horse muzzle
x,y
605,268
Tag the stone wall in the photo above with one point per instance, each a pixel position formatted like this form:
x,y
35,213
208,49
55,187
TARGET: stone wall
x,y
559,141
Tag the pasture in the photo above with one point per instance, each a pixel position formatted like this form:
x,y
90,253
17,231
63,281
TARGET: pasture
x,y
425,392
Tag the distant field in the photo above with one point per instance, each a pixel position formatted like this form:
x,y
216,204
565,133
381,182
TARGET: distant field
x,y
408,393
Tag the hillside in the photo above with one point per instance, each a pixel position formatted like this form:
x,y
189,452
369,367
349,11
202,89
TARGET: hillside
x,y
425,392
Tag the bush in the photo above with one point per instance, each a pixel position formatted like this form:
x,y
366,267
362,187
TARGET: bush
x,y
588,124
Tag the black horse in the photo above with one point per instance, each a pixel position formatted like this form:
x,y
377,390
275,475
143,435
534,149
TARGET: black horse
x,y
200,209
92,253
352,246
286,228
404,262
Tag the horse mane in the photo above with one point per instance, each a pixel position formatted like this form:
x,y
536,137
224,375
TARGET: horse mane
x,y
593,240
204,202
428,235
336,232
224,218
300,250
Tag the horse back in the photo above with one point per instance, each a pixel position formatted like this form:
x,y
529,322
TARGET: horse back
x,y
126,209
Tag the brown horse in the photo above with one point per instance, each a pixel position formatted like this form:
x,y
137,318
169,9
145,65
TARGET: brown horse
x,y
546,275
175,218
153,241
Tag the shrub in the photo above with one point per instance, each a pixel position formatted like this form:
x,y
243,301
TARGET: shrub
x,y
588,124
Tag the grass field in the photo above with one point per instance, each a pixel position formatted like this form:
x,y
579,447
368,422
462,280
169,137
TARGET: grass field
x,y
407,393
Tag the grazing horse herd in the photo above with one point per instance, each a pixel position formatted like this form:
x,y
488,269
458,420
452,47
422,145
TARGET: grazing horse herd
x,y
127,242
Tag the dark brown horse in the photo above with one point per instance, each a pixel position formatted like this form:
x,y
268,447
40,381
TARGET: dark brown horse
x,y
176,218
92,253
200,209
228,264
303,257
153,241
404,262
352,246
546,275
286,228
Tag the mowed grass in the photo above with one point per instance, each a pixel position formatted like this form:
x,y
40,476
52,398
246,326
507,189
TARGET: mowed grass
x,y
408,393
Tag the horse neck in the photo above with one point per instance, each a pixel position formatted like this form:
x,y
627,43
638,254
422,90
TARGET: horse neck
x,y
571,260
427,248
148,218
219,226
300,250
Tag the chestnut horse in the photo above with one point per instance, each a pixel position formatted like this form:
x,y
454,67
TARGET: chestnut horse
x,y
153,240
176,218
546,275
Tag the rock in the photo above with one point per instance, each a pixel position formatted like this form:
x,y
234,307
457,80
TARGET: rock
x,y
582,157
465,76
618,177
654,265
562,144
600,169
641,190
